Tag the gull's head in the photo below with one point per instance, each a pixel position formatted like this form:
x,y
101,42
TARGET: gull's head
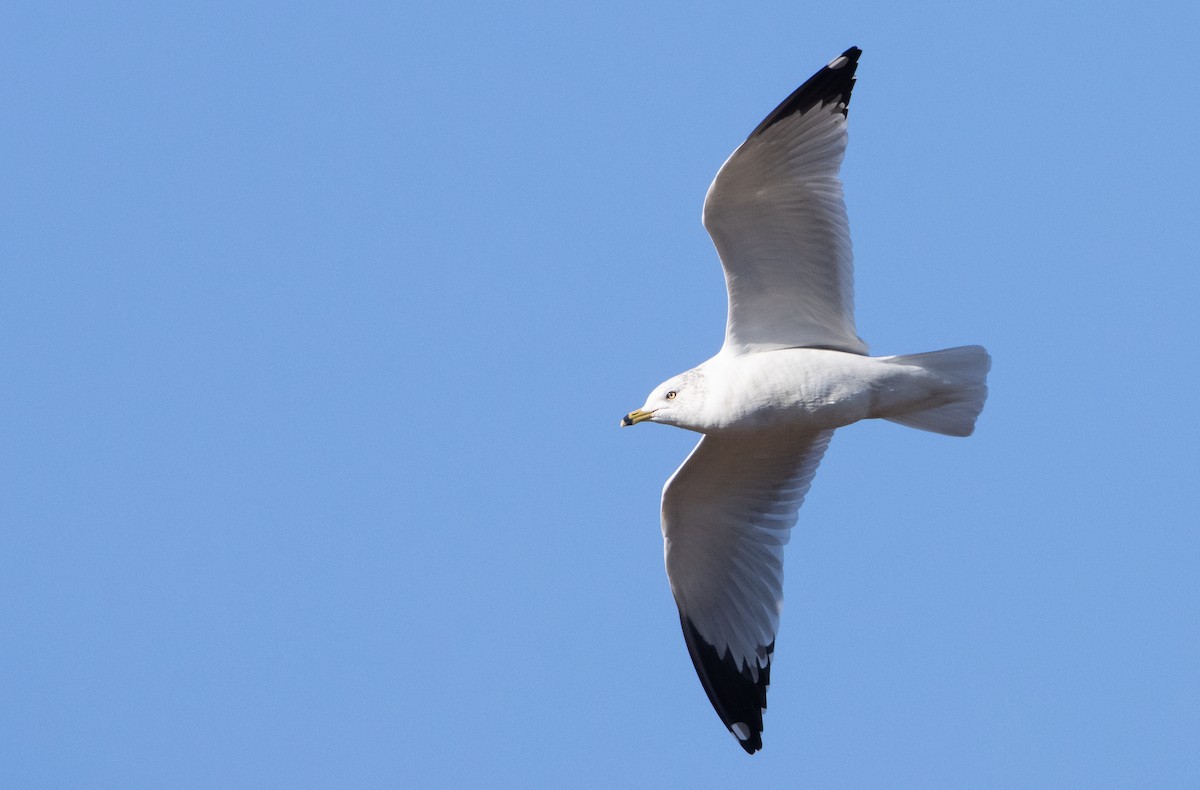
x,y
677,401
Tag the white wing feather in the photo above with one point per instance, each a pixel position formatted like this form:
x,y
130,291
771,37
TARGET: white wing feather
x,y
726,514
776,215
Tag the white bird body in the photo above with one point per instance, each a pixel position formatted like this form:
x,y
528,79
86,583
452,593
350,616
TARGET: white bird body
x,y
805,389
792,370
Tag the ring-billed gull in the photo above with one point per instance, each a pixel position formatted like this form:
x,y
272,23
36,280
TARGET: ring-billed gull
x,y
791,370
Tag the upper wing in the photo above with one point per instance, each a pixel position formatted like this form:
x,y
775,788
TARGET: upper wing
x,y
726,515
776,215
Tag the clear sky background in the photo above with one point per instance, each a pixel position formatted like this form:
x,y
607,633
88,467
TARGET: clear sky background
x,y
316,323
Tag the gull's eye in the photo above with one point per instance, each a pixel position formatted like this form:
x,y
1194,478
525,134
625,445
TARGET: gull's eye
x,y
671,395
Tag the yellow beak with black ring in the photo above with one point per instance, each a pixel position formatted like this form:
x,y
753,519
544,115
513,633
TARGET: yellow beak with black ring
x,y
634,417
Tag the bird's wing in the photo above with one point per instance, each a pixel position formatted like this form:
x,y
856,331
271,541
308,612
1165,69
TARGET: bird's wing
x,y
726,514
776,215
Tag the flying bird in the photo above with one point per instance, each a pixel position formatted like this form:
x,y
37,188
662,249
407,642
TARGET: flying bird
x,y
792,370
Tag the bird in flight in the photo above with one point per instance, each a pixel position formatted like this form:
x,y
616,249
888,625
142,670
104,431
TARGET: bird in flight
x,y
792,370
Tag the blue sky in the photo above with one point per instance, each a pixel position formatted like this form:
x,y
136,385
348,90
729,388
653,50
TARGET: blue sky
x,y
316,324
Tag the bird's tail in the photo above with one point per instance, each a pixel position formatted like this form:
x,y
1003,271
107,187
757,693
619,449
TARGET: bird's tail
x,y
963,371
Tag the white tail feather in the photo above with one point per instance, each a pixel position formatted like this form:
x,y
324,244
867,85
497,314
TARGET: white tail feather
x,y
964,370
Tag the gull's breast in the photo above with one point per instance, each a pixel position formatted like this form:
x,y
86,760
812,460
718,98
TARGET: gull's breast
x,y
794,388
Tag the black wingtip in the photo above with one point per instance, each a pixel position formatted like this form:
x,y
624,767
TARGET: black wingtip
x,y
736,696
831,84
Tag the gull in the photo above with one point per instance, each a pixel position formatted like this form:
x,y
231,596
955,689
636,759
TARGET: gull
x,y
792,369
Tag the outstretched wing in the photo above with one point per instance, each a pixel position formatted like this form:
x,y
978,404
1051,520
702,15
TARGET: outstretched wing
x,y
776,215
726,515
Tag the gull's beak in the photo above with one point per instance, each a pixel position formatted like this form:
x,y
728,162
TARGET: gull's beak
x,y
634,417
